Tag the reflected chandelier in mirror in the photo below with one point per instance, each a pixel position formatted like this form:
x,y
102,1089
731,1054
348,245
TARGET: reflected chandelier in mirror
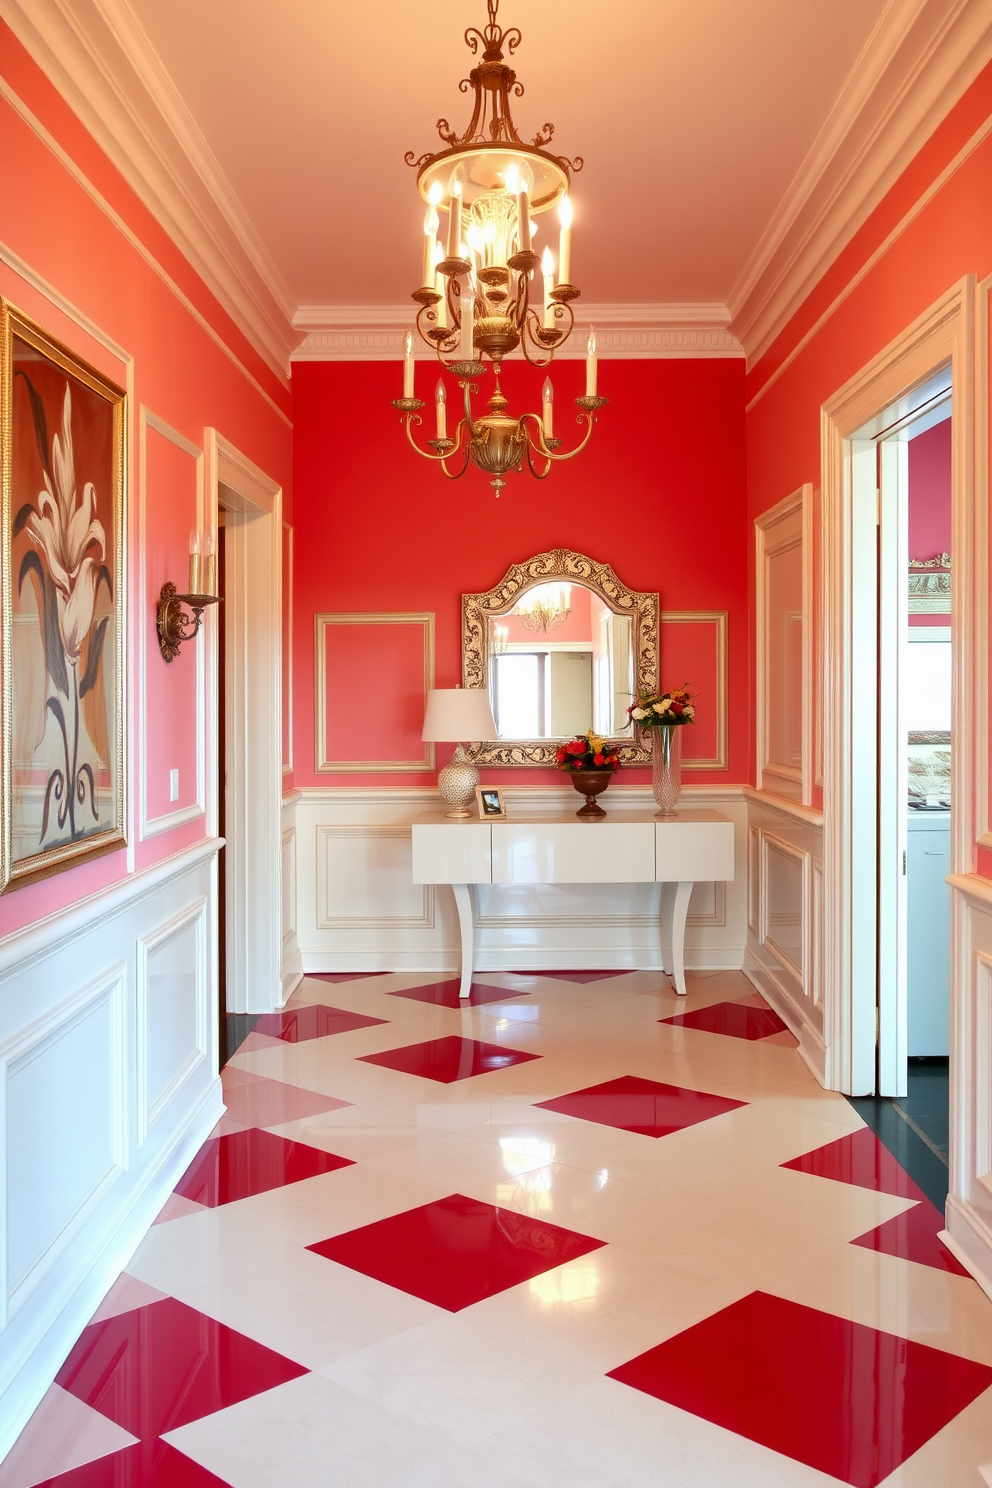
x,y
595,648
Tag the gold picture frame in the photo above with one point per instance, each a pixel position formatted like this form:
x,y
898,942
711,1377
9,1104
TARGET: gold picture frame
x,y
62,606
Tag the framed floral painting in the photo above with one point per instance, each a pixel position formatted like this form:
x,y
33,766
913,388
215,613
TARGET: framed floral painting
x,y
62,599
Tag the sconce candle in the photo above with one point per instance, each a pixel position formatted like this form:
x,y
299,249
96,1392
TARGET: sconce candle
x,y
591,363
194,563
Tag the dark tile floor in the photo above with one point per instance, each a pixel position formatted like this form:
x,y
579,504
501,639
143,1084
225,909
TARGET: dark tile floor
x,y
915,1127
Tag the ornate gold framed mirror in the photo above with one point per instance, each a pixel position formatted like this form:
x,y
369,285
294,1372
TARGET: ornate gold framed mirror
x,y
562,646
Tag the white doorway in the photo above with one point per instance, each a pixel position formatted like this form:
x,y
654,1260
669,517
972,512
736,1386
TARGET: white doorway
x,y
866,428
250,774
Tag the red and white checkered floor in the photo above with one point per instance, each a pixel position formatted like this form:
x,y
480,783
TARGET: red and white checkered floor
x,y
578,1235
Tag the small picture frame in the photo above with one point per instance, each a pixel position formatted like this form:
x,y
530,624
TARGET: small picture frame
x,y
489,800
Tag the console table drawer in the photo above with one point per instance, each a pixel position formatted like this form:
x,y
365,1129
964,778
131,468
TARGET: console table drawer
x,y
699,850
573,852
452,852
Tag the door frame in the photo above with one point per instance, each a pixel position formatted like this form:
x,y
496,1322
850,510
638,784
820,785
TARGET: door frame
x,y
253,723
943,336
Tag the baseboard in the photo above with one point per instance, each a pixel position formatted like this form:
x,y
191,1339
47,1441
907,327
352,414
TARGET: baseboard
x,y
45,1354
531,959
970,1242
811,1046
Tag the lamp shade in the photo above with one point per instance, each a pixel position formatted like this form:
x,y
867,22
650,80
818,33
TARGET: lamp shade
x,y
458,715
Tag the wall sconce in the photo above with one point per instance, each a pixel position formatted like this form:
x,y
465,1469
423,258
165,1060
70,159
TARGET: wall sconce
x,y
174,625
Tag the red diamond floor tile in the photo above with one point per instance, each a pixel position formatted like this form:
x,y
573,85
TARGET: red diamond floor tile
x,y
153,1464
456,1251
733,1019
445,994
158,1367
637,1105
577,976
315,1020
845,1399
342,976
271,1102
251,1162
448,1059
858,1158
912,1235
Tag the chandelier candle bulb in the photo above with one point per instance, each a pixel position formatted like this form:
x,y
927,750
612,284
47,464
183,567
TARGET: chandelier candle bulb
x,y
523,219
441,308
548,269
455,219
548,408
441,399
565,241
467,336
591,363
430,245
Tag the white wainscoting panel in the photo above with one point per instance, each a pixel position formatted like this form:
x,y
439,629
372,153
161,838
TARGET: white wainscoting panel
x,y
359,910
292,964
108,1066
969,1207
785,931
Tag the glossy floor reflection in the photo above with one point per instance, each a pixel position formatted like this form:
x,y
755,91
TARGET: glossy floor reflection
x,y
576,1234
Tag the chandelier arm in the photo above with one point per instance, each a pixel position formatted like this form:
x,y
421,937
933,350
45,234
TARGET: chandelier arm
x,y
529,337
468,421
457,474
542,448
438,459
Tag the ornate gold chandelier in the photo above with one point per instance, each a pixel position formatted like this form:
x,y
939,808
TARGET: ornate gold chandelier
x,y
478,299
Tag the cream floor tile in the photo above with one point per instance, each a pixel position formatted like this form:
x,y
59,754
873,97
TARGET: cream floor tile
x,y
300,1304
310,1433
63,1433
358,1132
949,1458
609,1434
455,1376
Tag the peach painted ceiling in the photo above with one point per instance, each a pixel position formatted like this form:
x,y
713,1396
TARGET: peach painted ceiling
x,y
693,117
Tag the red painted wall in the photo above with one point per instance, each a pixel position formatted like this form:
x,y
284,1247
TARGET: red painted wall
x,y
869,295
79,228
930,501
659,494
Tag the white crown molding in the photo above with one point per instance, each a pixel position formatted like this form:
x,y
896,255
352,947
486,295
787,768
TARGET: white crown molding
x,y
374,333
102,62
920,58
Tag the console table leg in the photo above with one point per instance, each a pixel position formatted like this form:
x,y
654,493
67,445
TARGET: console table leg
x,y
680,909
466,926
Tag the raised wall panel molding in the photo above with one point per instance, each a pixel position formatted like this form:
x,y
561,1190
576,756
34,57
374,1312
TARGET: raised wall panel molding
x,y
772,918
781,530
39,1219
375,333
323,623
718,620
357,910
168,820
155,1092
918,61
101,60
983,609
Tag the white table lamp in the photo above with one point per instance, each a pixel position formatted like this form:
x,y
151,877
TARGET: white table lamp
x,y
458,715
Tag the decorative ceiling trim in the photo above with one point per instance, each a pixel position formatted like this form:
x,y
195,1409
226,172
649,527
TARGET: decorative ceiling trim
x,y
375,333
918,61
99,57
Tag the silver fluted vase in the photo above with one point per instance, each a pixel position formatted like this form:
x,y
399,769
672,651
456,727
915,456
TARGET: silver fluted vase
x,y
666,768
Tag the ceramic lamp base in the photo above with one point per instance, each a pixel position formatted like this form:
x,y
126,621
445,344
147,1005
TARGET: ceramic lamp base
x,y
456,784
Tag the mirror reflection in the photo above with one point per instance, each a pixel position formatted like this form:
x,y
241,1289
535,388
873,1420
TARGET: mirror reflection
x,y
561,661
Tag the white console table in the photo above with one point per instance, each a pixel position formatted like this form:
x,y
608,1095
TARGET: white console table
x,y
697,847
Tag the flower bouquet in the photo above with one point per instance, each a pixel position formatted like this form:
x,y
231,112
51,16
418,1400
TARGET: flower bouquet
x,y
591,762
664,714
